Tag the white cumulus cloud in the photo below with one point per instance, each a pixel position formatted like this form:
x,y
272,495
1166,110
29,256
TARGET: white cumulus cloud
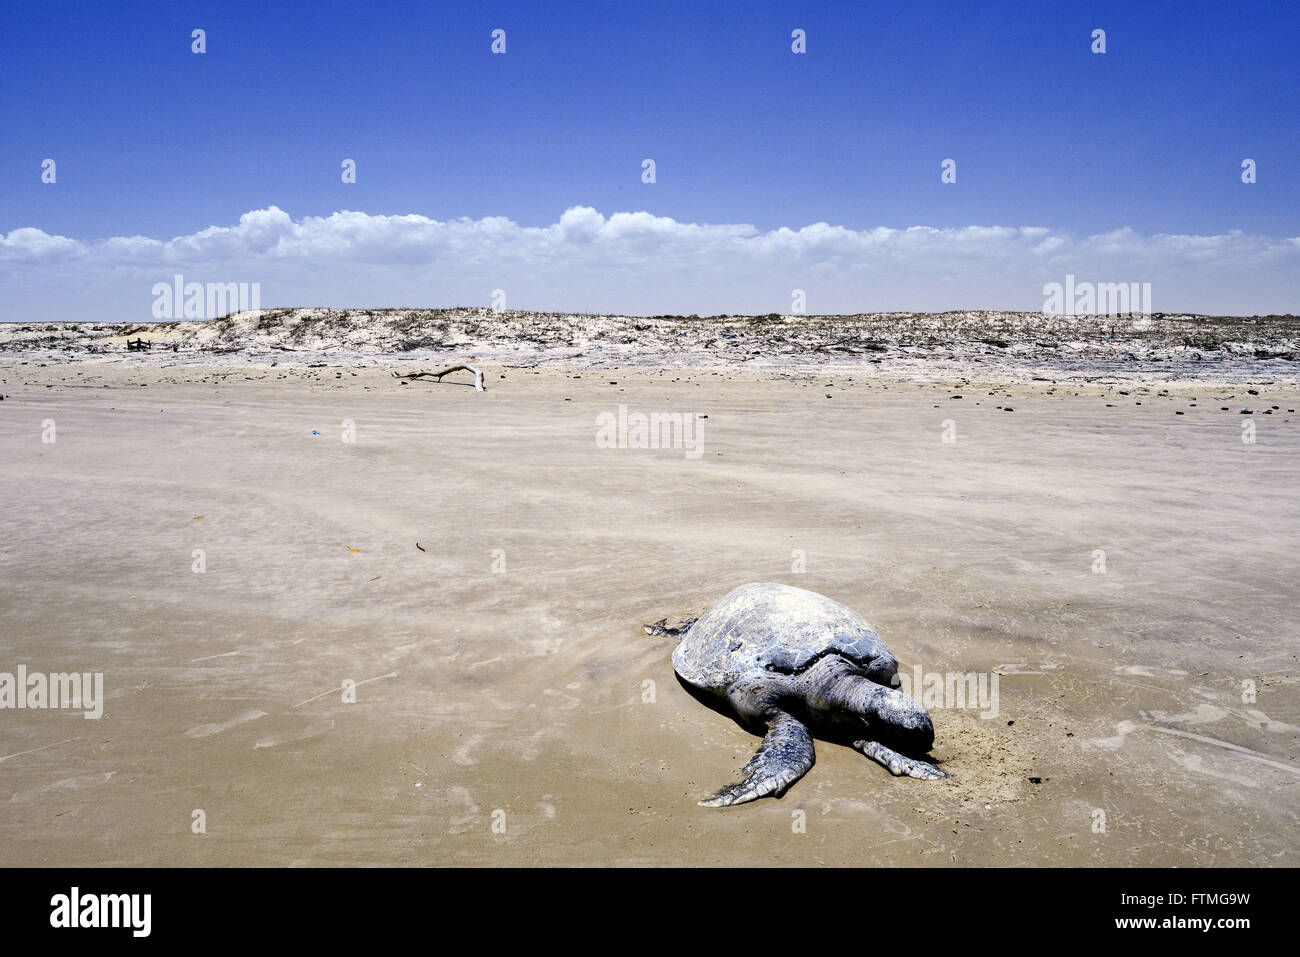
x,y
636,263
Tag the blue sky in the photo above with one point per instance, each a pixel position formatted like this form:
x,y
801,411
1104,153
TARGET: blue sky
x,y
152,140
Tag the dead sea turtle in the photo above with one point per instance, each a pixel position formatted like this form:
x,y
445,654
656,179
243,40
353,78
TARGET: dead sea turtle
x,y
787,660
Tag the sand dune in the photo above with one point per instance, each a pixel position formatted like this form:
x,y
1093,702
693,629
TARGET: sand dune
x,y
992,343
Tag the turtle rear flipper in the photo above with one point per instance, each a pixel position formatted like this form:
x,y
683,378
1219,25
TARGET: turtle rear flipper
x,y
783,758
660,628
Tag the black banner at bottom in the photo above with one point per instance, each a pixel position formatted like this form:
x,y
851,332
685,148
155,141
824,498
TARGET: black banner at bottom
x,y
769,907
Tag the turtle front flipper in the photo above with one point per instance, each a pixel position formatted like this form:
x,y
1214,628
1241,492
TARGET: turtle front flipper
x,y
784,757
898,764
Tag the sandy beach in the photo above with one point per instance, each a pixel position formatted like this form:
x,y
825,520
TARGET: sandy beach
x,y
230,541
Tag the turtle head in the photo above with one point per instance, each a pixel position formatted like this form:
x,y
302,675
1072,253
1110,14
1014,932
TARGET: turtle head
x,y
897,719
893,714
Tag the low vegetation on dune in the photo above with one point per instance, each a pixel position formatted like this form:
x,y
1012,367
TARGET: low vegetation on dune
x,y
727,338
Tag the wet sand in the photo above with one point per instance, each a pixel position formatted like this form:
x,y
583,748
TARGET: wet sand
x,y
502,677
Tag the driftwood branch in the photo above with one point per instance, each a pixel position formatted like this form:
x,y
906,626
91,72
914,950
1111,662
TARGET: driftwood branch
x,y
437,376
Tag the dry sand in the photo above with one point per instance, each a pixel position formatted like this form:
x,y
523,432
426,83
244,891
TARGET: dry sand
x,y
517,694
